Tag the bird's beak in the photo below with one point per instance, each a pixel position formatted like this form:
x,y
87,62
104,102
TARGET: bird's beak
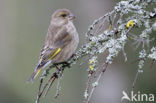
x,y
71,17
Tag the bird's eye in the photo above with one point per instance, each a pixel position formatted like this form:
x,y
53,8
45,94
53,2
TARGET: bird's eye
x,y
64,15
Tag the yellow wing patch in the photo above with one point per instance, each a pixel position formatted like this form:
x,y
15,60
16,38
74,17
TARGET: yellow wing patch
x,y
56,52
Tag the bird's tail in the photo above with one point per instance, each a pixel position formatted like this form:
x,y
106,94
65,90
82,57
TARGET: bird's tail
x,y
38,69
34,74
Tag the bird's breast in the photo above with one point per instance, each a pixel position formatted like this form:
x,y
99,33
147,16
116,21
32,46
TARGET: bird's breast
x,y
70,48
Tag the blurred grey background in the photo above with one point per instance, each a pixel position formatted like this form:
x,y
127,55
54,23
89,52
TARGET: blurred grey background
x,y
23,26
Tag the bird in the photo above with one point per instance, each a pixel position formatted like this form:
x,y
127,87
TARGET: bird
x,y
61,41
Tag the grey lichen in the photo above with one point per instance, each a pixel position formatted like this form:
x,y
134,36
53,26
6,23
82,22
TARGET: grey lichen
x,y
152,55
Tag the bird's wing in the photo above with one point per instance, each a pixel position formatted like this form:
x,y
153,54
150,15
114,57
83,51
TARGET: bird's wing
x,y
59,42
48,52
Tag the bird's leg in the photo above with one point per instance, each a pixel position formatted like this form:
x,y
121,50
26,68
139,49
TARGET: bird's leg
x,y
65,64
73,55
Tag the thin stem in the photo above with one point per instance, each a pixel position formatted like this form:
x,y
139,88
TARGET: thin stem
x,y
38,95
103,69
88,84
52,81
135,79
58,87
44,87
41,82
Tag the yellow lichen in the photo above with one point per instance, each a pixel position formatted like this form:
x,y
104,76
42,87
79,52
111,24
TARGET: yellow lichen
x,y
91,67
91,61
130,23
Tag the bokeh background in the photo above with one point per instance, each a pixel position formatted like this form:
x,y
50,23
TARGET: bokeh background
x,y
23,26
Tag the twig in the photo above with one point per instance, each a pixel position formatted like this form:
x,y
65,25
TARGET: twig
x,y
38,95
152,63
52,81
138,59
134,82
44,87
41,82
58,86
88,84
57,75
104,66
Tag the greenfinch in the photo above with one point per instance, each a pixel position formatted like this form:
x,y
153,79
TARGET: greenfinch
x,y
60,43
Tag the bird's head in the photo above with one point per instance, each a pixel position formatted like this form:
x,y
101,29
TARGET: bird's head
x,y
62,16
